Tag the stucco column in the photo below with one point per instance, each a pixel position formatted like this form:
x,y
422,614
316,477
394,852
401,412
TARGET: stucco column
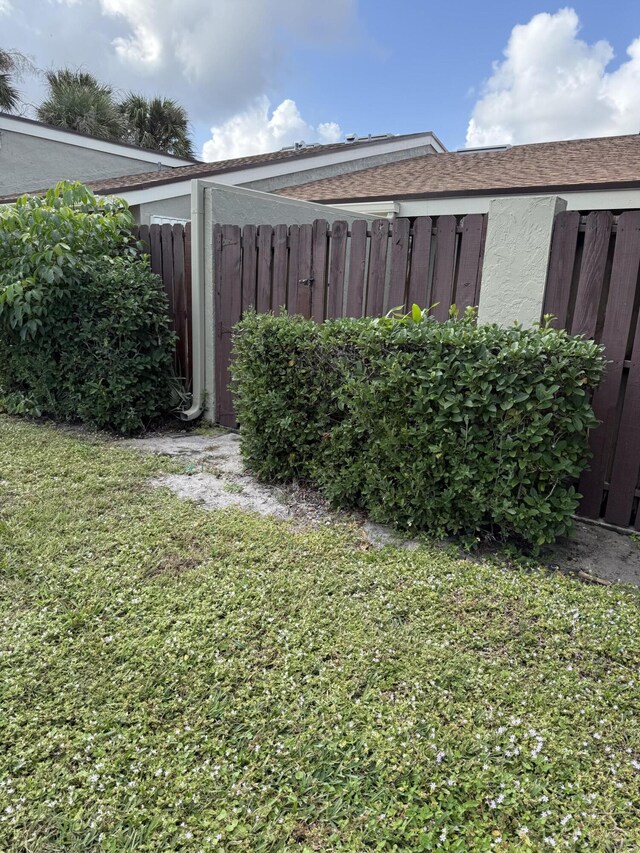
x,y
516,258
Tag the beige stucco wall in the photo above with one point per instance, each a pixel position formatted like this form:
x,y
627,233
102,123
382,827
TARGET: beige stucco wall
x,y
516,258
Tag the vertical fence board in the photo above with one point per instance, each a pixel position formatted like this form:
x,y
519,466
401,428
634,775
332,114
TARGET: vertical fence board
x,y
615,334
305,259
292,272
319,253
592,273
265,260
626,463
469,268
166,246
141,232
561,262
280,264
180,303
444,268
249,266
357,269
419,289
377,266
335,293
228,311
399,263
155,249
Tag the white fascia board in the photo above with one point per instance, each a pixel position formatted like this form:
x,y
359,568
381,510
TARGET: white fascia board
x,y
60,135
159,193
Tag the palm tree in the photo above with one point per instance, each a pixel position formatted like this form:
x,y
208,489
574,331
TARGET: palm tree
x,y
158,123
12,65
77,101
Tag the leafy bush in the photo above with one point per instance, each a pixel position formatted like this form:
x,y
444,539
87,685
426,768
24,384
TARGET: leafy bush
x,y
445,427
83,320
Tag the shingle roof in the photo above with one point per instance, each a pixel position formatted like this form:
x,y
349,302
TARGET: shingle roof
x,y
158,177
550,166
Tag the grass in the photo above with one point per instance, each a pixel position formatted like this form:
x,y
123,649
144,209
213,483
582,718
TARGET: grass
x,y
174,679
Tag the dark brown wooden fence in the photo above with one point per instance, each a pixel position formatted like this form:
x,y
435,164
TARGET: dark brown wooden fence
x,y
593,290
323,271
169,248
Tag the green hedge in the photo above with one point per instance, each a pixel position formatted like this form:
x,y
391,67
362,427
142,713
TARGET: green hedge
x,y
84,331
450,428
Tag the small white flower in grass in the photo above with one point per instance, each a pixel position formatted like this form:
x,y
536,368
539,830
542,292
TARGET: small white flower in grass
x,y
549,840
440,756
108,639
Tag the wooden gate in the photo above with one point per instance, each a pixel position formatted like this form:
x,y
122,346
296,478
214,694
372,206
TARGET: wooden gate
x,y
323,271
592,289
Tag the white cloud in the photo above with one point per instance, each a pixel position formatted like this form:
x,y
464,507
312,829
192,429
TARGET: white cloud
x,y
214,56
553,85
254,131
228,51
5,7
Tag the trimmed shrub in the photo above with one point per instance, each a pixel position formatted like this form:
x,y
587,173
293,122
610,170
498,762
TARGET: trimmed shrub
x,y
84,331
450,428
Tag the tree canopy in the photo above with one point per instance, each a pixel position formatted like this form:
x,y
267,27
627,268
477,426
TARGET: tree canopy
x,y
76,100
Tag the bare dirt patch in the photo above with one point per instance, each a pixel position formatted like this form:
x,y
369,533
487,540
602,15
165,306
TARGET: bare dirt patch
x,y
214,476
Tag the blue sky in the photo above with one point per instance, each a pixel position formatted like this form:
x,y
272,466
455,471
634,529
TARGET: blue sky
x,y
259,74
421,65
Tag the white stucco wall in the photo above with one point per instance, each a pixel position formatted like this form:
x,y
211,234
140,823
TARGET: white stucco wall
x,y
516,258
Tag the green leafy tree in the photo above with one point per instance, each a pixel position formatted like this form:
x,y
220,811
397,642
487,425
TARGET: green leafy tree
x,y
77,101
158,123
84,331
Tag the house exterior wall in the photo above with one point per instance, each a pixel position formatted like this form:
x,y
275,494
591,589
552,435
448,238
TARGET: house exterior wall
x,y
178,207
626,199
30,163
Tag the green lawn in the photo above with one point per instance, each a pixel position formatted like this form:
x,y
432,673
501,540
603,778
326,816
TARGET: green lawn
x,y
174,679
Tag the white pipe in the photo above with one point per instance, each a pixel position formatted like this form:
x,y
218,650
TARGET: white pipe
x,y
197,300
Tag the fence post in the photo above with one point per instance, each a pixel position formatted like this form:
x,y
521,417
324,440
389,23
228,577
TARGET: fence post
x,y
516,258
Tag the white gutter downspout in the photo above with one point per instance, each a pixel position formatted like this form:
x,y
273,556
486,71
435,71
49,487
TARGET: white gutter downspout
x,y
197,301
